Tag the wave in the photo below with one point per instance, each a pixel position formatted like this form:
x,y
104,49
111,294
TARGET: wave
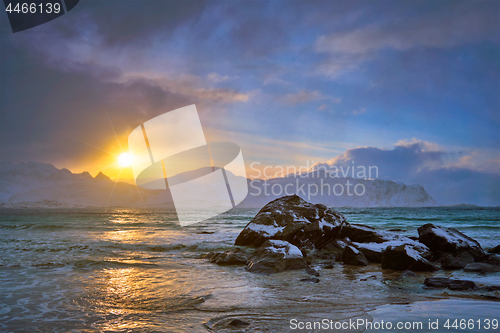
x,y
403,218
90,247
87,263
86,226
470,219
488,227
34,226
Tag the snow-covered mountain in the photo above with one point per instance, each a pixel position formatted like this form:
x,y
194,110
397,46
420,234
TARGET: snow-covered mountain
x,y
43,185
338,192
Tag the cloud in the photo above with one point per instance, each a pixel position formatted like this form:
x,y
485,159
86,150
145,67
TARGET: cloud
x,y
304,96
273,79
64,118
323,107
357,112
447,176
419,145
408,27
214,77
451,25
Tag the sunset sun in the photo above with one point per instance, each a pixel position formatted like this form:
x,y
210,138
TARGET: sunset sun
x,y
125,160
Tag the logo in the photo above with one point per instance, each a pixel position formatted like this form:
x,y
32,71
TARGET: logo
x,y
170,152
26,14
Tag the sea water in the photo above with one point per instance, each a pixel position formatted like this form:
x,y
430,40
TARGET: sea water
x,y
122,270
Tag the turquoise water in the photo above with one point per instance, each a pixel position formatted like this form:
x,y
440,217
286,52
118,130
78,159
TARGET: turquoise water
x,y
123,269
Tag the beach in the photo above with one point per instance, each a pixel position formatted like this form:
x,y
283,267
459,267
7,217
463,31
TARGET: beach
x,y
122,270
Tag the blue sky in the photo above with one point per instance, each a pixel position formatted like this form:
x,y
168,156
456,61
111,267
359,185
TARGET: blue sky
x,y
291,82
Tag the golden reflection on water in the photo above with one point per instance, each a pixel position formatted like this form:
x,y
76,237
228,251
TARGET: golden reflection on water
x,y
131,297
122,292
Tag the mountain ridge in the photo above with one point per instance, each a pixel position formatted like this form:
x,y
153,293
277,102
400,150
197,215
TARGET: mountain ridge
x,y
33,184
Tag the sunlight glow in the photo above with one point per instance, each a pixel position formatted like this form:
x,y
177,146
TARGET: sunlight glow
x,y
125,159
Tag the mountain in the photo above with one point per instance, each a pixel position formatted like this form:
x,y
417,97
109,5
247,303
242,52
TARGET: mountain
x,y
43,185
338,192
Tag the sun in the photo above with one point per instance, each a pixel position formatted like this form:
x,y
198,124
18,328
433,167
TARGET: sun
x,y
125,160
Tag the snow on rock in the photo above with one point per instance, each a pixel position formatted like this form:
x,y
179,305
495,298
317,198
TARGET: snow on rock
x,y
449,240
288,250
268,230
373,251
275,256
365,234
404,257
292,219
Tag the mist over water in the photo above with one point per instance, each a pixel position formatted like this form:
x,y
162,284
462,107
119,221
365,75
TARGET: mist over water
x,y
123,269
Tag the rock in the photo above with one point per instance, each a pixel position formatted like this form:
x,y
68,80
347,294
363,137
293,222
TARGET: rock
x,y
352,256
437,282
228,258
328,265
364,234
238,323
373,251
370,253
333,249
491,288
440,282
371,277
496,249
493,259
312,271
461,285
276,256
312,280
293,220
404,257
449,262
326,255
440,239
481,267
406,274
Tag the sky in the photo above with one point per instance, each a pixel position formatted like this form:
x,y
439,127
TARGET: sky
x,y
410,86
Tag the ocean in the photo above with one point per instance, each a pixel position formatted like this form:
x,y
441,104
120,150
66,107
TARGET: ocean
x,y
132,270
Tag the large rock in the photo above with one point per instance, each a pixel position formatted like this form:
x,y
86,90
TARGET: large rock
x,y
293,220
352,256
276,256
450,240
404,257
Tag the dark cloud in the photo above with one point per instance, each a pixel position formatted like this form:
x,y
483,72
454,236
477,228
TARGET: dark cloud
x,y
426,164
454,24
126,22
426,68
51,111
